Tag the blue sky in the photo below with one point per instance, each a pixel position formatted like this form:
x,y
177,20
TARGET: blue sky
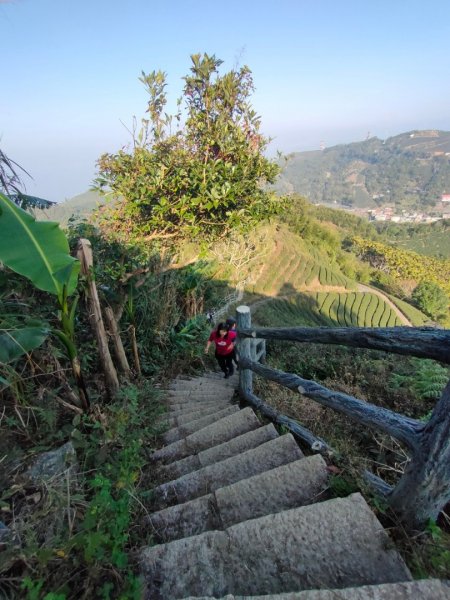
x,y
324,71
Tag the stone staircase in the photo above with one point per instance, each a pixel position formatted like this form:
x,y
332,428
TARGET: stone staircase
x,y
241,514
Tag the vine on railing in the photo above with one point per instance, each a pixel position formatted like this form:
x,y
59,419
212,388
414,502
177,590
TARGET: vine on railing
x,y
424,488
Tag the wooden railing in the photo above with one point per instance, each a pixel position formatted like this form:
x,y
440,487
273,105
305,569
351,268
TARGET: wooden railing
x,y
424,488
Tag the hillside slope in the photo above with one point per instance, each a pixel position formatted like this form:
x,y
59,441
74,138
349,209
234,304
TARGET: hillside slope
x,y
411,169
79,207
286,275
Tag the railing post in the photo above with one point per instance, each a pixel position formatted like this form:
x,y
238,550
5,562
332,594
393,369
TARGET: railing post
x,y
244,321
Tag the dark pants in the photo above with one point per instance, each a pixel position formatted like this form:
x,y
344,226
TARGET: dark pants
x,y
226,363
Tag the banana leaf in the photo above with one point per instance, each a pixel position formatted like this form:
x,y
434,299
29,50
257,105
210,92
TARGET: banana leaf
x,y
38,250
16,342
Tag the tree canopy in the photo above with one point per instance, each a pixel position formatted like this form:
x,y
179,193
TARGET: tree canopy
x,y
205,177
431,299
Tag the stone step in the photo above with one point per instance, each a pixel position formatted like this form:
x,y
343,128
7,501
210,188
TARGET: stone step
x,y
276,452
193,405
184,417
203,383
217,433
425,589
334,544
176,405
178,433
295,484
211,388
193,396
237,445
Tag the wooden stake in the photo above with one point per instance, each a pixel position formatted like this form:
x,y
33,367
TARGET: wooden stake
x,y
84,254
119,350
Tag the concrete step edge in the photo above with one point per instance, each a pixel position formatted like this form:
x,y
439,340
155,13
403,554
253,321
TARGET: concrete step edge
x,y
237,445
267,456
195,414
333,544
287,486
424,589
178,433
212,435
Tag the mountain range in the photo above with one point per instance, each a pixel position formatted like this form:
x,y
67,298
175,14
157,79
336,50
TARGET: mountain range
x,y
410,170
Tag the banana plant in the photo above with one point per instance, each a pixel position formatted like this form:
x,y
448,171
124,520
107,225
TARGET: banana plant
x,y
39,251
14,342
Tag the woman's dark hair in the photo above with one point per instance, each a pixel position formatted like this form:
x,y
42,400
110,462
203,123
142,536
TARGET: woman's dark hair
x,y
222,326
230,322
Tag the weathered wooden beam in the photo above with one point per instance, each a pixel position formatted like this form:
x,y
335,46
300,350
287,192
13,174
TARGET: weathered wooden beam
x,y
315,443
403,428
423,342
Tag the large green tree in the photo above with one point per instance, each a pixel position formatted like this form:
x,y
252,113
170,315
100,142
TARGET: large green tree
x,y
431,299
202,170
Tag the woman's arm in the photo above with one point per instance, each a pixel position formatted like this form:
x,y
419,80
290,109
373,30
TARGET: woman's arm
x,y
208,344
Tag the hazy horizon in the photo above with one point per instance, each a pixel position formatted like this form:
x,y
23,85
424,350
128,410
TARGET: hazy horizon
x,y
324,73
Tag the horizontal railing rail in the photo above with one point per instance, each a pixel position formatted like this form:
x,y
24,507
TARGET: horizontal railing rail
x,y
424,488
423,342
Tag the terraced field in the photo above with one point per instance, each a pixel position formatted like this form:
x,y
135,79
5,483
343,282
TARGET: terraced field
x,y
357,309
347,309
417,318
296,286
298,272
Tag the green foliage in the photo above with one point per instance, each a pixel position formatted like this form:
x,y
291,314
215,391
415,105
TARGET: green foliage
x,y
37,250
92,549
417,318
430,379
431,299
403,170
426,379
402,264
205,177
431,239
16,342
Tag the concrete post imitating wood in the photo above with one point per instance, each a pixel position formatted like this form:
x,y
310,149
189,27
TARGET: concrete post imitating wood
x,y
119,350
244,321
424,489
84,255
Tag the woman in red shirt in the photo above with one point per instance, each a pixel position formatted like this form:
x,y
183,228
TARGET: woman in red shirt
x,y
223,339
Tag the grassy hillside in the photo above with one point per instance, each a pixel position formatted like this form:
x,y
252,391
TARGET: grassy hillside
x,y
290,281
411,169
78,207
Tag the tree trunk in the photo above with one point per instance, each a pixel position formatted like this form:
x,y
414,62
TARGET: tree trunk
x,y
84,254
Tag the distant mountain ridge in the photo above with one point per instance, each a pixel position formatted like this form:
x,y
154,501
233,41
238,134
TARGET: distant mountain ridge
x,y
79,207
408,170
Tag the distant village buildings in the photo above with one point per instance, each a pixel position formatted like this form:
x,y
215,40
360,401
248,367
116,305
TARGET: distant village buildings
x,y
386,213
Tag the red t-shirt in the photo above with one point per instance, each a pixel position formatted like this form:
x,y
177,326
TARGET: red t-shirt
x,y
223,344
